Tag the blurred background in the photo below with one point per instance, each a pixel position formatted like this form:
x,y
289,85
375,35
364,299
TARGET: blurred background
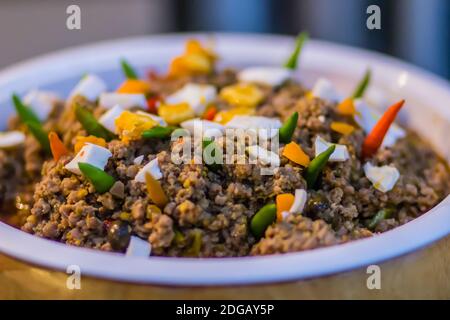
x,y
413,30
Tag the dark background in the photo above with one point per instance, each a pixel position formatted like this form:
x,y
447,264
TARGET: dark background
x,y
413,30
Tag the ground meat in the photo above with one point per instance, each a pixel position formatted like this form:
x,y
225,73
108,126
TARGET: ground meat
x,y
209,210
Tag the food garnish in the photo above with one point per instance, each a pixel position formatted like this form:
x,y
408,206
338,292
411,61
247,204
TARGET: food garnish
x,y
57,147
101,181
375,138
288,128
316,166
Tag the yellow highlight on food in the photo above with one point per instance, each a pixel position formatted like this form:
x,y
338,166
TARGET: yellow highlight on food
x,y
242,95
134,86
295,153
80,141
195,60
174,114
226,115
347,107
342,127
130,125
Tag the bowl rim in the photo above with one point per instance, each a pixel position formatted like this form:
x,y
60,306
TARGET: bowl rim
x,y
226,271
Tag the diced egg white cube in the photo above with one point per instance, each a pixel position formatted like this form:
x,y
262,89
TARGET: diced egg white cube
x,y
158,119
153,168
11,139
90,153
383,178
41,102
108,119
203,128
90,87
272,76
264,156
125,100
198,96
299,201
366,117
138,248
138,160
340,153
324,89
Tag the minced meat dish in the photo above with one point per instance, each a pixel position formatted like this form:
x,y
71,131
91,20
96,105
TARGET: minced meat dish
x,y
119,170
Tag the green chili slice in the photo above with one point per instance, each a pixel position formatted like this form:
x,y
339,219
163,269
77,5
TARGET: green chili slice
x,y
196,245
128,70
292,62
25,114
158,132
91,125
316,166
100,179
362,85
288,128
379,216
41,136
263,219
214,166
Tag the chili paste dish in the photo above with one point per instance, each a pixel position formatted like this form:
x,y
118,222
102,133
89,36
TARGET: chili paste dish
x,y
146,169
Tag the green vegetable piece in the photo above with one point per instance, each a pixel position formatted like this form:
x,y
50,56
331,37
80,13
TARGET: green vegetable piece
x,y
316,166
100,179
196,245
24,112
214,166
179,237
288,128
379,216
158,132
91,125
263,219
291,63
362,85
41,136
128,70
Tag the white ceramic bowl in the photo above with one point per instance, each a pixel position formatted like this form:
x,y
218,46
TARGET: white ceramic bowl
x,y
427,111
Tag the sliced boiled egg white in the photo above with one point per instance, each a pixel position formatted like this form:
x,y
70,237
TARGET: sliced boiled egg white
x,y
153,168
383,178
11,139
90,87
203,128
267,127
125,100
158,119
108,119
299,201
138,247
264,156
366,117
138,160
272,76
198,96
92,154
340,153
41,102
324,89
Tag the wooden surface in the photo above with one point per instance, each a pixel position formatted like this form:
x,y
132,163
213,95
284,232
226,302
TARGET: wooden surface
x,y
424,274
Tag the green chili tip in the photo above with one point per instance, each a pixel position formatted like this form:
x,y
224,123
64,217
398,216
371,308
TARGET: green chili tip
x,y
196,245
100,179
263,219
24,112
316,166
41,136
288,128
362,85
379,216
292,62
158,132
91,125
128,70
209,154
